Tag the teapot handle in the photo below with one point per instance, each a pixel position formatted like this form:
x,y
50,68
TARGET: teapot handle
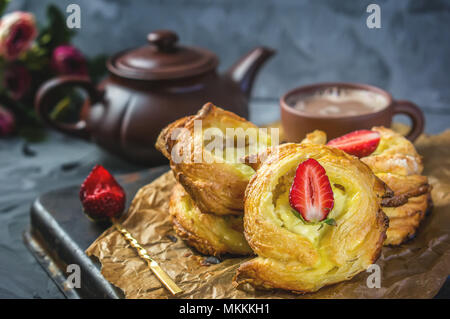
x,y
46,97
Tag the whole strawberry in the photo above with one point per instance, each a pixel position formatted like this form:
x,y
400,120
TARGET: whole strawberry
x,y
101,196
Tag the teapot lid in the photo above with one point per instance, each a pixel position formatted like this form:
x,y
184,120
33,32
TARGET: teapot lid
x,y
163,59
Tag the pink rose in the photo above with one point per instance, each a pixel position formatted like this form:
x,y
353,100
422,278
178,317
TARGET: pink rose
x,y
16,80
66,59
17,32
6,122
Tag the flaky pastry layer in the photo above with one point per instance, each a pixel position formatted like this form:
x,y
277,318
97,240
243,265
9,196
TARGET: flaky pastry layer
x,y
396,162
216,183
303,257
209,234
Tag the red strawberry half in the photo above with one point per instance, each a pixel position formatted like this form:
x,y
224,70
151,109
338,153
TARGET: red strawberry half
x,y
359,143
311,194
101,195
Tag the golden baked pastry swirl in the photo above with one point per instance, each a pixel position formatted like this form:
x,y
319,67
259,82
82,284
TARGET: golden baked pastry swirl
x,y
215,178
396,162
209,234
300,256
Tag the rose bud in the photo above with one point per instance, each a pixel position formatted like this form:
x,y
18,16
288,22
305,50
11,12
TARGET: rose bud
x,y
101,196
67,60
17,32
17,81
6,122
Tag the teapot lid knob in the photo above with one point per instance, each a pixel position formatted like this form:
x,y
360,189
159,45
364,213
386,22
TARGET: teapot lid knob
x,y
164,40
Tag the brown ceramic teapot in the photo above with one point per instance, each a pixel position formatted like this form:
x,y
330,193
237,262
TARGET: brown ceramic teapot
x,y
148,88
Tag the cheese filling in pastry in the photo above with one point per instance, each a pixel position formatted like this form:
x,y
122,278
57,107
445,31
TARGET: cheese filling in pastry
x,y
209,234
301,256
211,169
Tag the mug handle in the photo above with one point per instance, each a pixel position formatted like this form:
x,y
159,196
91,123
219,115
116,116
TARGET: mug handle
x,y
46,97
415,114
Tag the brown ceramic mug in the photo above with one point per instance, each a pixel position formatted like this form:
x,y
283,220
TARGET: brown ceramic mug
x,y
297,123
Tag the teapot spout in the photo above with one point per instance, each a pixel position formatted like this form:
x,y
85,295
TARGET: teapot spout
x,y
244,71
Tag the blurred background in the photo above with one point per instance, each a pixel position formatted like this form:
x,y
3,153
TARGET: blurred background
x,y
316,41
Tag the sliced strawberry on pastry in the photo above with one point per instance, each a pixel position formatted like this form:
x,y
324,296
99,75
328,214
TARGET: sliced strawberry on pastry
x,y
359,143
311,194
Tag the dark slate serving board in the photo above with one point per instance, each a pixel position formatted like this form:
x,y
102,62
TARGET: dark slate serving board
x,y
59,234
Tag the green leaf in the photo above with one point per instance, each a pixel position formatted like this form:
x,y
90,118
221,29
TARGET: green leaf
x,y
35,58
60,109
97,67
3,5
55,33
299,216
28,125
329,221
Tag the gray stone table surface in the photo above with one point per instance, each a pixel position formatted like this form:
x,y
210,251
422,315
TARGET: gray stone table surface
x,y
61,161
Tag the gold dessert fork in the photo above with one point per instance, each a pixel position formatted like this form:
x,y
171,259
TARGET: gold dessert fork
x,y
163,277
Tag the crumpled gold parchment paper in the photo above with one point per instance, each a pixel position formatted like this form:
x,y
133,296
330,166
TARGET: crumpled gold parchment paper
x,y
416,269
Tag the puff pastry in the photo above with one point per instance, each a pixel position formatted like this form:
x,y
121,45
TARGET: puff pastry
x,y
209,234
218,180
302,257
397,163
